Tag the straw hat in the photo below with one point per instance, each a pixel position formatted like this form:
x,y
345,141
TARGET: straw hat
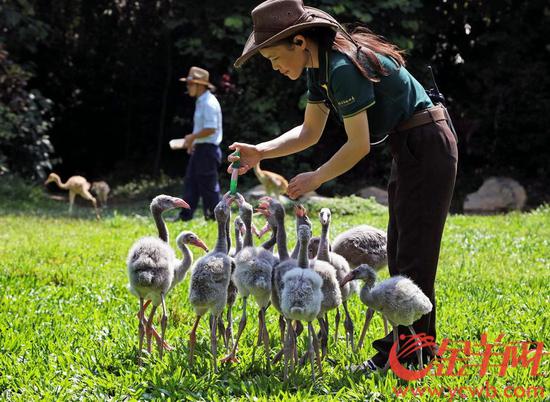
x,y
198,75
278,19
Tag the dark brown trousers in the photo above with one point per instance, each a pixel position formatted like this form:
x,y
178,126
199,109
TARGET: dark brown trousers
x,y
420,190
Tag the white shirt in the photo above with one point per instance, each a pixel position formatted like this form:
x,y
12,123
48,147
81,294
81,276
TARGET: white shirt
x,y
208,114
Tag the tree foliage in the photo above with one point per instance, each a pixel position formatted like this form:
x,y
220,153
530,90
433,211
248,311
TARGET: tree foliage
x,y
25,120
111,68
492,57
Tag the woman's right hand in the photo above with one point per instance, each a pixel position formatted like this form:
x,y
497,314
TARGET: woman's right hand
x,y
250,157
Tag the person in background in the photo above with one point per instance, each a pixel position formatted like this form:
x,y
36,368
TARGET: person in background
x,y
203,144
362,78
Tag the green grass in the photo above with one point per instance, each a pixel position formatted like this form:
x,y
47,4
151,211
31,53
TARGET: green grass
x,y
68,329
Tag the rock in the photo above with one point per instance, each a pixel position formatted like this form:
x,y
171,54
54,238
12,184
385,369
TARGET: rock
x,y
379,195
496,194
255,193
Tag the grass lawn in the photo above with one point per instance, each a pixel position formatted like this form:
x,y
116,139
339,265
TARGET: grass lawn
x,y
68,328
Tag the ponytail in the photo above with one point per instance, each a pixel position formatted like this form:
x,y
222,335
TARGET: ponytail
x,y
360,45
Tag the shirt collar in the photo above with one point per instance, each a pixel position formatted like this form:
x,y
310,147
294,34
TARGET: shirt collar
x,y
323,65
203,97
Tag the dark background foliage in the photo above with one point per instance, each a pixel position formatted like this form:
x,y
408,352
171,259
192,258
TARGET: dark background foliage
x,y
101,80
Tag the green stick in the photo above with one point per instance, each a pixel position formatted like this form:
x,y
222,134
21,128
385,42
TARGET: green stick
x,y
234,174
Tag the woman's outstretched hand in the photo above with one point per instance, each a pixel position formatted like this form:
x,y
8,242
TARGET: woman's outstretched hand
x,y
250,156
303,183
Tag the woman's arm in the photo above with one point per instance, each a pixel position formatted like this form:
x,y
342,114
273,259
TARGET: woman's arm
x,y
355,148
294,140
298,138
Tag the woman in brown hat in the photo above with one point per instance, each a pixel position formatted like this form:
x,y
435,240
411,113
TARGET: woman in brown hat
x,y
363,79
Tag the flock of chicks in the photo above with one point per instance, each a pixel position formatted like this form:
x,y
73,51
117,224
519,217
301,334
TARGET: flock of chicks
x,y
302,286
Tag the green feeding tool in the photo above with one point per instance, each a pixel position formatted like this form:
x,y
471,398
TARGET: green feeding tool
x,y
234,174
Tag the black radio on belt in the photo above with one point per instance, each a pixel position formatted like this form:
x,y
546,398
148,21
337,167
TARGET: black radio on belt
x,y
433,93
437,97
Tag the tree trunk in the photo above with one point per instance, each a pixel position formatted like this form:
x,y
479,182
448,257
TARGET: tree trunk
x,y
165,91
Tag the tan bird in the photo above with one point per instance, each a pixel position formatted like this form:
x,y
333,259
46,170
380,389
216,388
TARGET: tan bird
x,y
274,183
76,185
101,189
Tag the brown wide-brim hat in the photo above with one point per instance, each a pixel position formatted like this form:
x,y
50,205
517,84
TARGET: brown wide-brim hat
x,y
275,20
198,75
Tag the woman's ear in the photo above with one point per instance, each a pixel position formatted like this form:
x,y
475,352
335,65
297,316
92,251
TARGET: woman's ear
x,y
299,40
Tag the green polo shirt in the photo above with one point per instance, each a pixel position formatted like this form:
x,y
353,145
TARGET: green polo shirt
x,y
388,102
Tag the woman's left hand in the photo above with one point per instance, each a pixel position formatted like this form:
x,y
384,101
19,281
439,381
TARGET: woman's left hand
x,y
303,183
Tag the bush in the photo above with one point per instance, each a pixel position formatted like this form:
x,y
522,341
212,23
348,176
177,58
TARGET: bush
x,y
351,205
19,194
148,187
25,147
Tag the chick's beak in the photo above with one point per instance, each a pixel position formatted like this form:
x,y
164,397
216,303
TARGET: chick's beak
x,y
200,243
228,199
182,204
299,210
263,230
266,199
263,211
240,199
349,277
263,207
